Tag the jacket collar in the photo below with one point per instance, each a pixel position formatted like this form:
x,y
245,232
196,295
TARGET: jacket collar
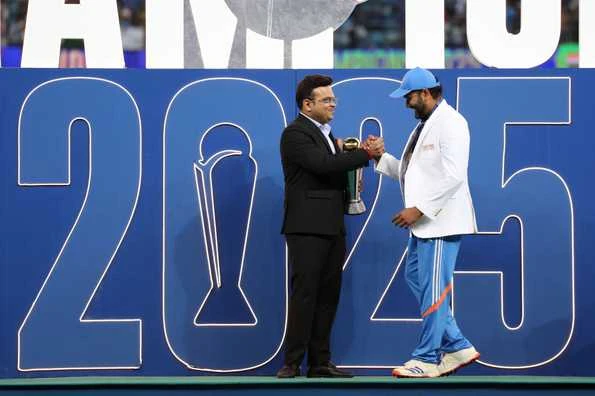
x,y
430,122
313,130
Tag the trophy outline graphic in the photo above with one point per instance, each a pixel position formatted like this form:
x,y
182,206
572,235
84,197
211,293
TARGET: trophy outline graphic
x,y
206,200
175,325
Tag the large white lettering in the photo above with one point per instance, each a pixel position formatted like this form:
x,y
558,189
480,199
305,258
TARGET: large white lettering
x,y
314,52
424,33
263,52
222,34
493,45
215,27
94,21
164,34
224,41
168,44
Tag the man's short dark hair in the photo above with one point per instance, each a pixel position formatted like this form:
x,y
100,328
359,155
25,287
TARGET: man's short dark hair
x,y
436,92
309,84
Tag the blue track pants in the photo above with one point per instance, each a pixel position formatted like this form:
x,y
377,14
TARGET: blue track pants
x,y
429,272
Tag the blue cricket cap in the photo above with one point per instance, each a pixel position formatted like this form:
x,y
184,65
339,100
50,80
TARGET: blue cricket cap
x,y
415,79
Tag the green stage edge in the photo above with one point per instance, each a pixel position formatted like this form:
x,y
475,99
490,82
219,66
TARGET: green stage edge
x,y
200,381
248,385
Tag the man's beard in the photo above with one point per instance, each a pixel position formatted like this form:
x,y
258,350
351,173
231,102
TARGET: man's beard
x,y
418,109
419,112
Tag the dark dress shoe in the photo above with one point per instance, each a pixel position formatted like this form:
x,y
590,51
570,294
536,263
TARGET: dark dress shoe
x,y
288,371
328,371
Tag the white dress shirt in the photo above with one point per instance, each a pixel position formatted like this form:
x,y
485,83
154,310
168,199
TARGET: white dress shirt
x,y
326,131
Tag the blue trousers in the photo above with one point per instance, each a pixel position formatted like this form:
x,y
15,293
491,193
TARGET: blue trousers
x,y
429,272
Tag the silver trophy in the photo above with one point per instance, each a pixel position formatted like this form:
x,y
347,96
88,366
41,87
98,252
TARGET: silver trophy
x,y
355,205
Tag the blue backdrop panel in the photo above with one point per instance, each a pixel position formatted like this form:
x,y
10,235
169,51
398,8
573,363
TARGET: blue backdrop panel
x,y
140,216
67,337
529,195
219,216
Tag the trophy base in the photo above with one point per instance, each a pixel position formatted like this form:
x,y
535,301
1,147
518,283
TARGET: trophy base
x,y
355,208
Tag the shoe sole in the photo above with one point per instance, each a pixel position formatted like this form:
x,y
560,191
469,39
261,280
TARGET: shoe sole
x,y
409,376
460,366
397,374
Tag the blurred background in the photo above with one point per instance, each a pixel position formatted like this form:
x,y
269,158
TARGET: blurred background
x,y
372,37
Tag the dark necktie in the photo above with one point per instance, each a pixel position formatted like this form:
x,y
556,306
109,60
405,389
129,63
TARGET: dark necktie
x,y
330,136
409,152
415,137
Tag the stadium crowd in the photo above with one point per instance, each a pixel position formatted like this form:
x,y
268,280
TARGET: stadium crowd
x,y
381,24
375,27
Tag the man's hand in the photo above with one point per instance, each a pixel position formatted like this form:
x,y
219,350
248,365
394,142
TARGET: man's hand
x,y
374,145
407,217
339,142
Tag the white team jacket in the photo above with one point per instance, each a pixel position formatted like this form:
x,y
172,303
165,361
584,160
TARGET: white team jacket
x,y
435,180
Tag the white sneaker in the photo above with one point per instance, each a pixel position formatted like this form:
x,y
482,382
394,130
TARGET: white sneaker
x,y
410,362
416,369
455,360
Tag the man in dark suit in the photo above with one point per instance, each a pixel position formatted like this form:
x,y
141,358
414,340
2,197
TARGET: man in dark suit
x,y
315,170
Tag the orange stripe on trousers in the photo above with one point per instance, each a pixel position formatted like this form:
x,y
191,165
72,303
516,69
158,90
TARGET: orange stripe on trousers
x,y
439,302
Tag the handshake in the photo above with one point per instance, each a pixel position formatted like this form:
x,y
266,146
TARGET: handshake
x,y
374,145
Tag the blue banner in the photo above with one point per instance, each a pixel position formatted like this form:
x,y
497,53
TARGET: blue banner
x,y
141,210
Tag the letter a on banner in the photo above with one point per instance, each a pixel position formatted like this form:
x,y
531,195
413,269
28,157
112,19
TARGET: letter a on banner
x,y
94,21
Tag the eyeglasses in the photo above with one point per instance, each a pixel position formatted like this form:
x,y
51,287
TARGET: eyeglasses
x,y
326,101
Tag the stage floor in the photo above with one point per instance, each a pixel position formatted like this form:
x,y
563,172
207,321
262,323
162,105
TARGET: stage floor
x,y
247,385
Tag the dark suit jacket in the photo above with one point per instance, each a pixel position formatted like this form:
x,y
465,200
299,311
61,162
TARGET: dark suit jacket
x,y
315,180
